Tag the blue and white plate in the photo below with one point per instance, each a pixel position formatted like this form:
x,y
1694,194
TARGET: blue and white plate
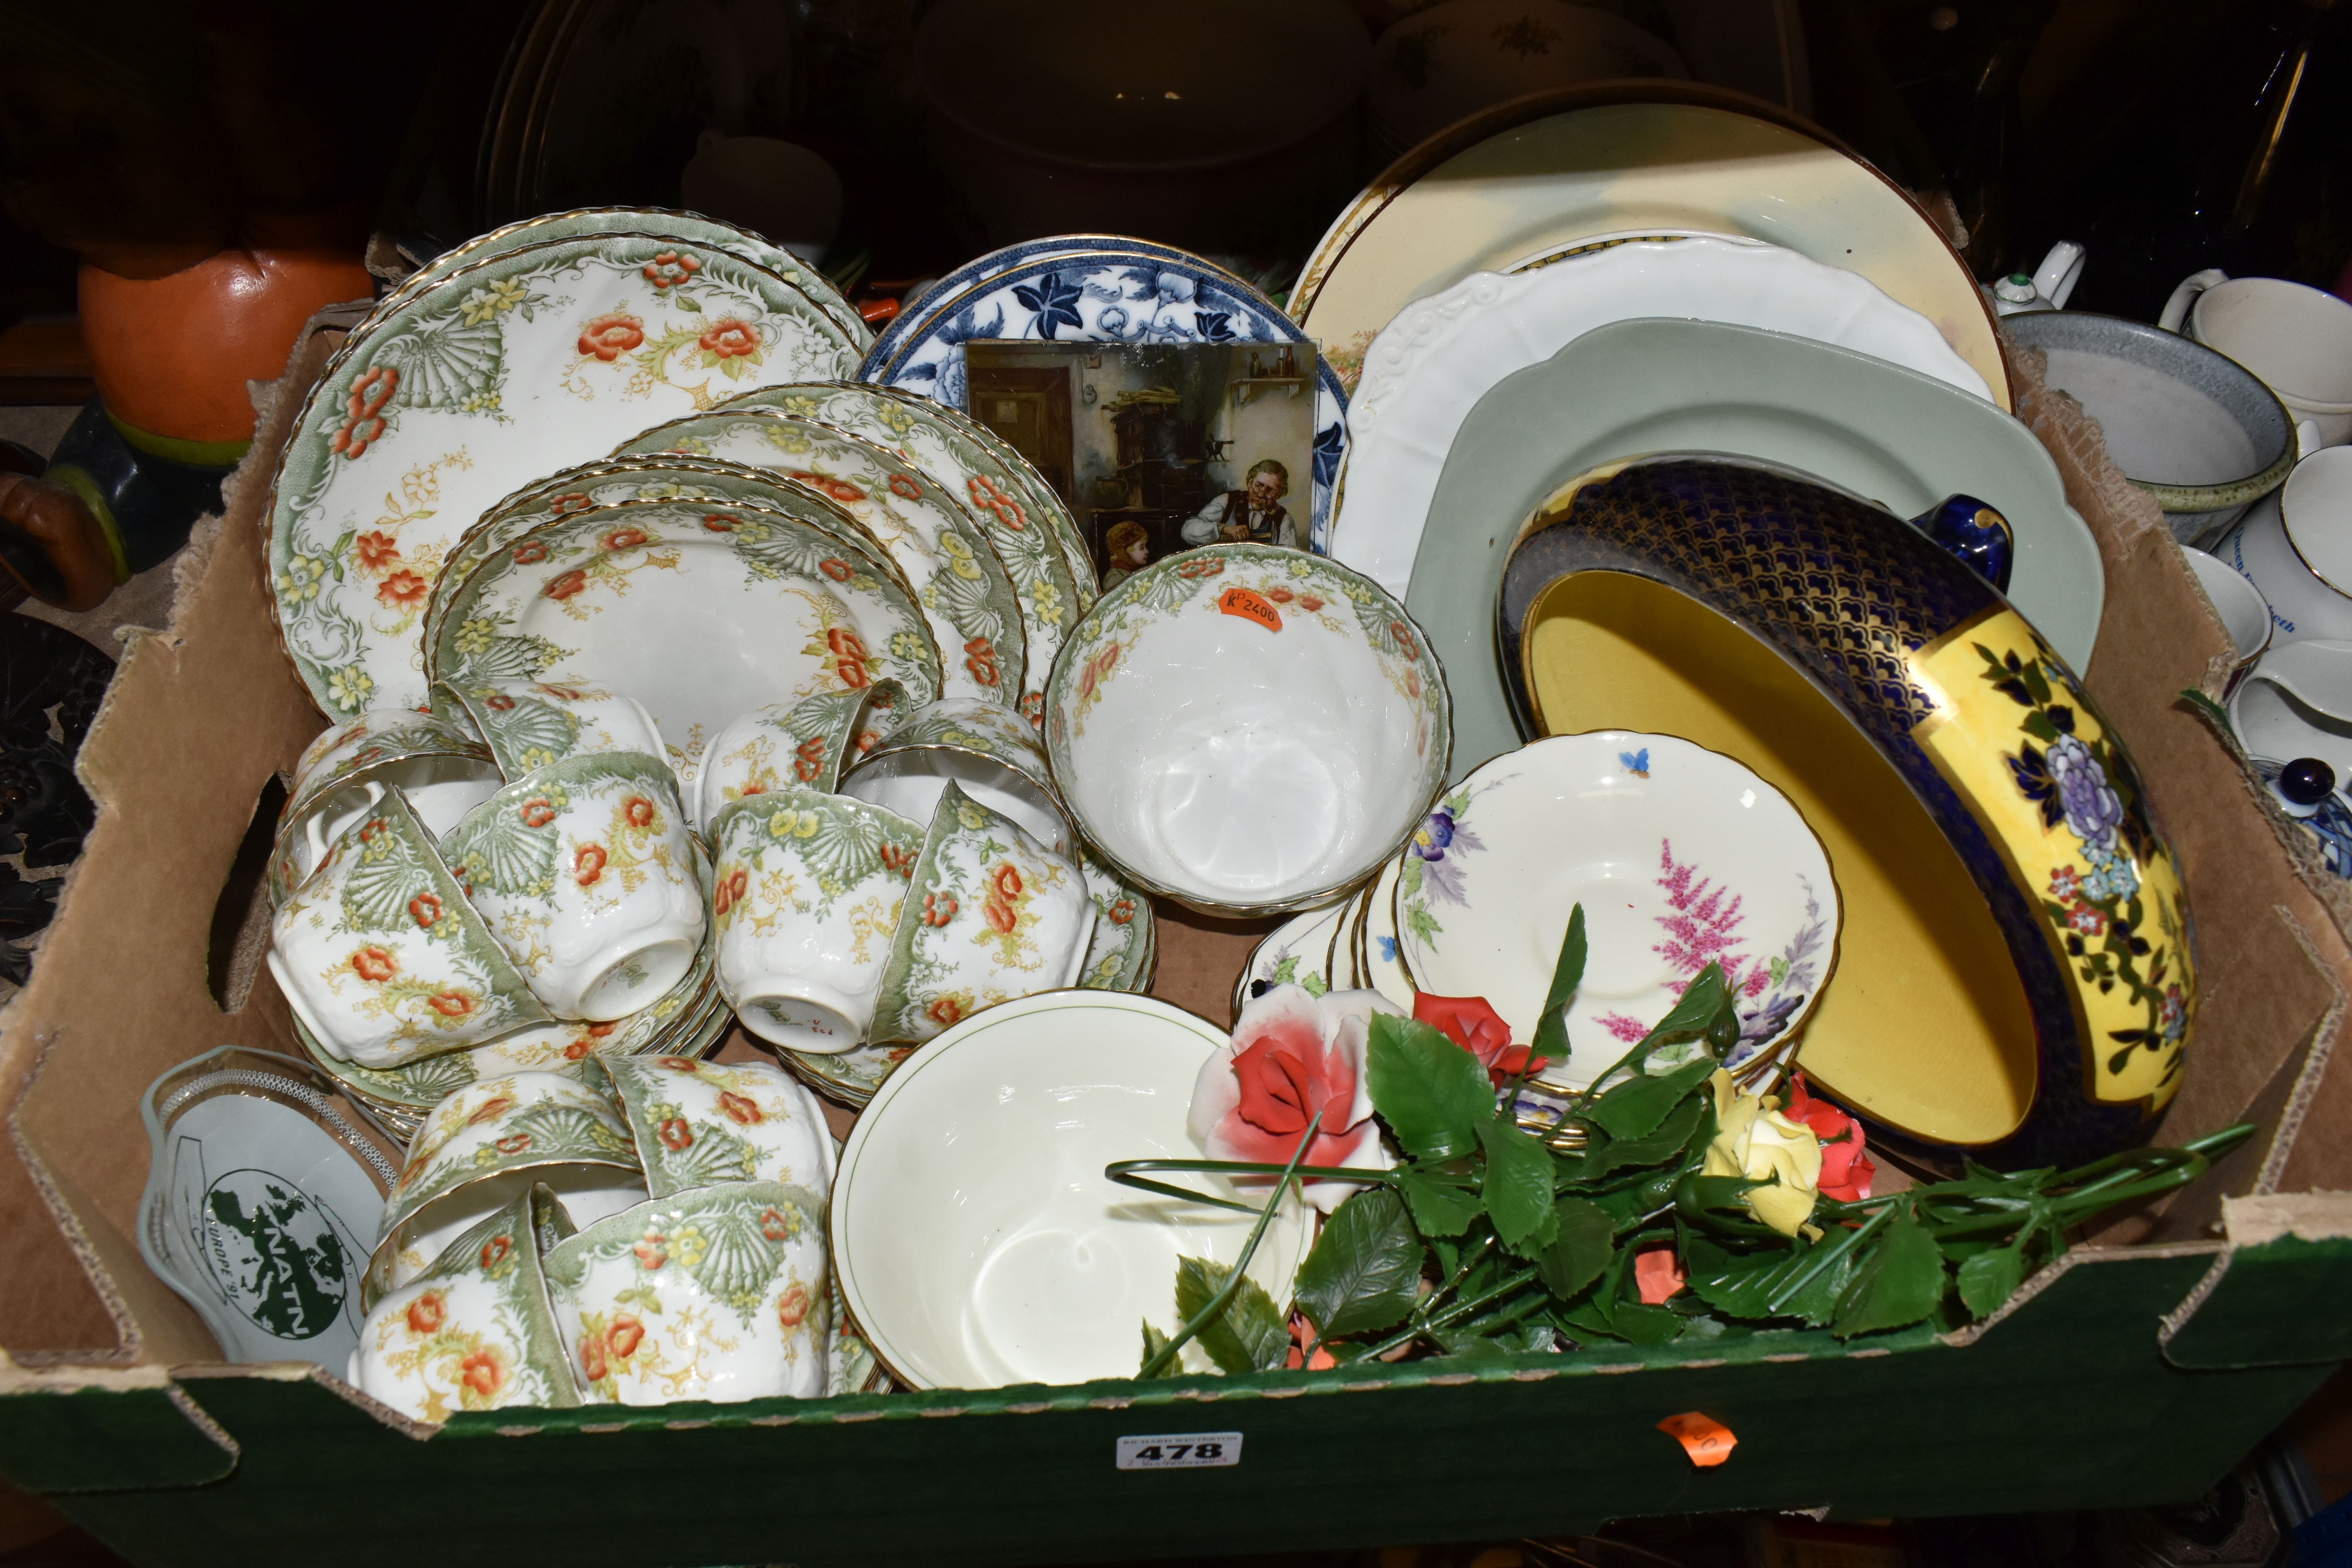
x,y
1096,288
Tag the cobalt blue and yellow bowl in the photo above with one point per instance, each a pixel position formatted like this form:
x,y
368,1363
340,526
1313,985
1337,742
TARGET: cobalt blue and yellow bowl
x,y
2016,979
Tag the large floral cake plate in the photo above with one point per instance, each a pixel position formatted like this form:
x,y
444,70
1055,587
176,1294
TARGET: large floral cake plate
x,y
698,615
690,228
662,476
964,590
1088,288
1680,857
937,440
501,371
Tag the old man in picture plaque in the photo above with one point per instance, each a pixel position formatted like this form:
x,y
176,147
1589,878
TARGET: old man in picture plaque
x,y
1252,514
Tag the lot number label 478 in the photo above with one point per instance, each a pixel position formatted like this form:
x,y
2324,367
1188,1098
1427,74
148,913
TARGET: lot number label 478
x,y
1180,1451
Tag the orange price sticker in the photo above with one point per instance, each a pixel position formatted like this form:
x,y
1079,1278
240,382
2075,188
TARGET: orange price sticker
x,y
1250,607
1707,1441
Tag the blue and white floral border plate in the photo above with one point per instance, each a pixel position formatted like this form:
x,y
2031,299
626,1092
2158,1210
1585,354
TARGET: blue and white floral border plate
x,y
1096,288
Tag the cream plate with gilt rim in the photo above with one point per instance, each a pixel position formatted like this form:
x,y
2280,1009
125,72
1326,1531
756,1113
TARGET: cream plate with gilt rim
x,y
964,590
668,476
700,615
1681,858
939,441
1246,728
690,229
504,369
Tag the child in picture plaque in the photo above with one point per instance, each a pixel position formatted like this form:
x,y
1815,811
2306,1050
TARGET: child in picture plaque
x,y
1129,549
1254,513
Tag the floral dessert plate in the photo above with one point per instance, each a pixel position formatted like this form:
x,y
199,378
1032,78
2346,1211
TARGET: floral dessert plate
x,y
666,477
1082,288
1125,945
978,1242
698,615
1530,178
1378,963
499,372
940,441
690,228
963,589
261,1204
1681,858
1429,367
1295,953
1864,425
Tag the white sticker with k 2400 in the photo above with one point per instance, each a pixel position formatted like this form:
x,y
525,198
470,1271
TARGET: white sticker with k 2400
x,y
1180,1451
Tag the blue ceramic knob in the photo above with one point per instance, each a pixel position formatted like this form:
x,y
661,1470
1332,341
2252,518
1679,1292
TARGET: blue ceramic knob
x,y
2306,782
1972,533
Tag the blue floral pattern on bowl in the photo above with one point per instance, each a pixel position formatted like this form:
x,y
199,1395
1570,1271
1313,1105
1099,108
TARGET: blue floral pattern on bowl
x,y
1079,288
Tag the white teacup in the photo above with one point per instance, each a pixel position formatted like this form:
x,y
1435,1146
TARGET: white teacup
x,y
718,1293
699,1123
531,723
2246,615
2298,703
439,764
805,898
992,914
2296,546
586,870
807,743
382,957
2296,338
988,750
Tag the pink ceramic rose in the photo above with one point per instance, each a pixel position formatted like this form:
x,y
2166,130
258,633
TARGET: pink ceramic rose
x,y
1291,1056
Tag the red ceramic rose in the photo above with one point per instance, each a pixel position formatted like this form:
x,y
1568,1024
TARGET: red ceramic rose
x,y
1656,1273
1291,1056
1846,1171
1477,1028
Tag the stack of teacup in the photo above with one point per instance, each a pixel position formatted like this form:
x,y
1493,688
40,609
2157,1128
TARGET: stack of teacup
x,y
882,874
649,1229
511,883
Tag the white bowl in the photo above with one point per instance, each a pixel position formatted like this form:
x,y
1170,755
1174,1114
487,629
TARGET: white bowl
x,y
1247,729
975,1238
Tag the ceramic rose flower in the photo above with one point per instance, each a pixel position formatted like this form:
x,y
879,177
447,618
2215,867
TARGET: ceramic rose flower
x,y
1477,1028
1754,1139
1293,1054
1846,1172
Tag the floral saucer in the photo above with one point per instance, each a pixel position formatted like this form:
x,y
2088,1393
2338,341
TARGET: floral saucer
x,y
1295,953
1680,857
1035,546
1092,288
496,374
964,590
699,615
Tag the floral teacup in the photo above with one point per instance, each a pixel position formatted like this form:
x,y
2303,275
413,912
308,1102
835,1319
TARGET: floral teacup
x,y
985,748
718,1293
540,1126
586,870
991,914
474,1332
806,894
806,743
701,1123
532,724
382,957
442,769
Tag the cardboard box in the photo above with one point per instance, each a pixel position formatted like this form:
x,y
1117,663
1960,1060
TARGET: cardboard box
x,y
2136,1370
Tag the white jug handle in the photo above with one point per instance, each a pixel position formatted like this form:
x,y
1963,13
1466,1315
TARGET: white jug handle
x,y
314,830
2060,270
2306,439
2176,310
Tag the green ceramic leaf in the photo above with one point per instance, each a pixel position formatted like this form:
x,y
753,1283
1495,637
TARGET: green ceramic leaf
x,y
1249,1335
1365,1270
1646,1325
1583,1241
1551,1031
1431,1092
1518,1180
1755,1285
1638,1107
1899,1284
1605,1156
1439,1208
1154,1341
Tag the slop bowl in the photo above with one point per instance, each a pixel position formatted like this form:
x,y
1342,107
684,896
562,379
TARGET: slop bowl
x,y
1247,729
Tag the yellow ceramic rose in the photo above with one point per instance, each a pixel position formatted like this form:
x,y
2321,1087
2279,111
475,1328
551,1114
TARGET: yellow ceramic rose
x,y
1754,1140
